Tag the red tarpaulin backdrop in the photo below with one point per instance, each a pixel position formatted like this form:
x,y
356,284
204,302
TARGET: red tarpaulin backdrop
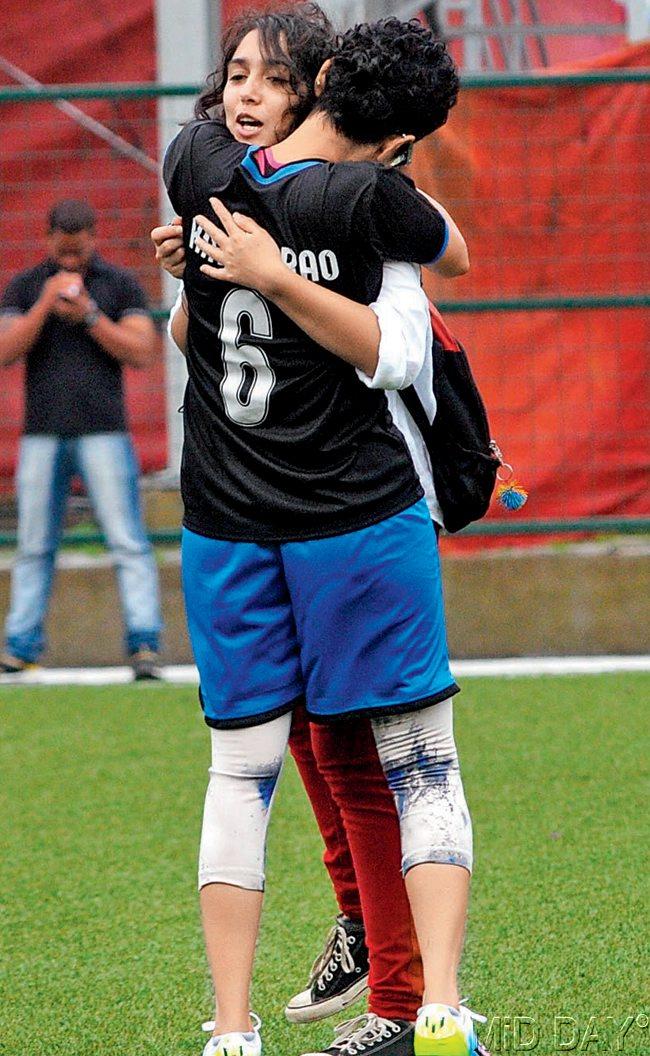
x,y
548,184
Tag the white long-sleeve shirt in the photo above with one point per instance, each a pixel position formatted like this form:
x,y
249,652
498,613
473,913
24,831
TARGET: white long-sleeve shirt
x,y
406,358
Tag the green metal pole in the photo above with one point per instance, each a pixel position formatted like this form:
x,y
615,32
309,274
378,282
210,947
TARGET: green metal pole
x,y
152,90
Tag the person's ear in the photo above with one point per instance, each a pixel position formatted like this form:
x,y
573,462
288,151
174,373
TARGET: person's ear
x,y
395,150
321,77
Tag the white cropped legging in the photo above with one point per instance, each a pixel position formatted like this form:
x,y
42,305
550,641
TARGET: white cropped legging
x,y
419,758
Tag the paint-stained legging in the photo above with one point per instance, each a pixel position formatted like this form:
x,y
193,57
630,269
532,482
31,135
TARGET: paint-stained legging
x,y
418,756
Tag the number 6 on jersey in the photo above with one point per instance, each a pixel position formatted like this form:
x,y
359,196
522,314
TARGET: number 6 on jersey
x,y
248,377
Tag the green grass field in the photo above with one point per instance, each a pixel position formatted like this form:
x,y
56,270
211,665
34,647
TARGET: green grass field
x,y
100,799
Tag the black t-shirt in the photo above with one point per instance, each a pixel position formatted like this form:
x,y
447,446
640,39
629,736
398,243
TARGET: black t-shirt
x,y
282,439
72,386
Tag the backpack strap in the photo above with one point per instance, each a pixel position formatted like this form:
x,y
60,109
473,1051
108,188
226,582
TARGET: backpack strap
x,y
446,340
415,407
409,397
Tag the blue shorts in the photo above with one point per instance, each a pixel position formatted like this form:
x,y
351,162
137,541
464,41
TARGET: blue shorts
x,y
352,624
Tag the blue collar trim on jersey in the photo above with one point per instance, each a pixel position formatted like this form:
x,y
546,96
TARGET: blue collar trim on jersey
x,y
280,174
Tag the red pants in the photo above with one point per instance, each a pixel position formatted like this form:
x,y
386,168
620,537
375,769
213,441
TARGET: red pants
x,y
356,815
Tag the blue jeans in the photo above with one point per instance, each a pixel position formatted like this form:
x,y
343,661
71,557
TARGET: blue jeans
x,y
107,464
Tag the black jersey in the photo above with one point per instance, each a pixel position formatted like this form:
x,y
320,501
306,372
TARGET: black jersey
x,y
282,440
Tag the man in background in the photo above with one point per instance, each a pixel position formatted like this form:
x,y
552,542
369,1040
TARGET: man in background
x,y
77,321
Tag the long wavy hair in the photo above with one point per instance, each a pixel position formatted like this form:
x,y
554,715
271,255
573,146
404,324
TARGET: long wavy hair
x,y
299,37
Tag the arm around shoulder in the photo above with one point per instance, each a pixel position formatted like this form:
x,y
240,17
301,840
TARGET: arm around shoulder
x,y
248,256
454,258
402,312
408,225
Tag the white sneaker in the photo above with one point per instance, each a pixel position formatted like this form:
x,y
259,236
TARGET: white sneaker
x,y
235,1043
441,1030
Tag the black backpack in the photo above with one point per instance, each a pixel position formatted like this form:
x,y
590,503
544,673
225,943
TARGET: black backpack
x,y
464,458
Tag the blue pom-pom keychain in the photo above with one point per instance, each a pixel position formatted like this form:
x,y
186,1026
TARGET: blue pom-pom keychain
x,y
510,494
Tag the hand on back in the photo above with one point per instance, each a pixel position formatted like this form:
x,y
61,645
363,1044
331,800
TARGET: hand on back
x,y
245,253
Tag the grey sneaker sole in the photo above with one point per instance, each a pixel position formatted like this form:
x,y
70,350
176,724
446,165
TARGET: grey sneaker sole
x,y
12,665
150,675
329,1007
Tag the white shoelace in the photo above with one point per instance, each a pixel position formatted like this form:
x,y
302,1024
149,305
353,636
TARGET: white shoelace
x,y
476,1016
354,1037
210,1024
336,952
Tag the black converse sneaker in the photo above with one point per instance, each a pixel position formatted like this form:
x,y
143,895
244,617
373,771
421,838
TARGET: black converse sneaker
x,y
370,1036
338,977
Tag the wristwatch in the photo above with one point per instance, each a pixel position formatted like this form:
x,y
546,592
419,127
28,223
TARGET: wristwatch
x,y
92,315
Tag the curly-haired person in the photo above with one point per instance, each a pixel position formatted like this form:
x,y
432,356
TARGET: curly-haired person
x,y
310,561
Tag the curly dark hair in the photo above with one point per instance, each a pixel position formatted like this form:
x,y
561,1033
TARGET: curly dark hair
x,y
297,36
388,77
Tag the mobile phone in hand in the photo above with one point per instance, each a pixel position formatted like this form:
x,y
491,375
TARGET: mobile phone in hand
x,y
405,157
73,290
